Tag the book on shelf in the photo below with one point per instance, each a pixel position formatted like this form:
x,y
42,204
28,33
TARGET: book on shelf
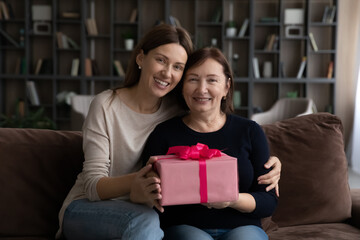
x,y
330,70
46,66
119,68
329,14
256,67
23,66
38,66
75,67
244,27
301,68
216,18
270,41
91,26
269,20
65,42
88,67
70,15
20,66
276,43
59,40
10,9
95,68
174,21
324,17
32,93
4,10
9,38
313,42
72,43
282,70
17,66
133,15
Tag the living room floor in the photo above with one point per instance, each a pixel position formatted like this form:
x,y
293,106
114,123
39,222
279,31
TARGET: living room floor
x,y
354,179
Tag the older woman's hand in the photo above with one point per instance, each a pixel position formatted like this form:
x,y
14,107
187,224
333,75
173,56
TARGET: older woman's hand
x,y
272,178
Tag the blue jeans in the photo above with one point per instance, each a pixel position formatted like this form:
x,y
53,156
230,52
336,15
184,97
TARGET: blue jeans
x,y
111,219
186,232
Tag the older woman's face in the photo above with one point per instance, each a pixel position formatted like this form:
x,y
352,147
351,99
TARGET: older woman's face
x,y
204,87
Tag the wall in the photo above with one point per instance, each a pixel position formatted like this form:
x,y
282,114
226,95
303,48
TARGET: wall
x,y
349,20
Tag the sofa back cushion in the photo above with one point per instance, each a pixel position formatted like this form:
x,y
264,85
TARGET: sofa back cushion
x,y
37,170
314,180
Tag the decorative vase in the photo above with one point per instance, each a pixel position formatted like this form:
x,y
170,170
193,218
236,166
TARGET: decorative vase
x,y
129,44
237,99
267,69
231,32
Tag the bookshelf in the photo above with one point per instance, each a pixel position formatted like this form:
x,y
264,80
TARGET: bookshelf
x,y
269,37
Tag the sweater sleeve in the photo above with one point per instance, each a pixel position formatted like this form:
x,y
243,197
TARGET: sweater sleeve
x,y
266,202
96,149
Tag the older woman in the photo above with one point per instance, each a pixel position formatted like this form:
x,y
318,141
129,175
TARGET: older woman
x,y
207,89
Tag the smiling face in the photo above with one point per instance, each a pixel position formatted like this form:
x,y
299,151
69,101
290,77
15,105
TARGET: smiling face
x,y
205,85
161,68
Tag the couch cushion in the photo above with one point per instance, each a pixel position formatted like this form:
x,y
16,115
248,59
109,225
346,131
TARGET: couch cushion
x,y
330,231
314,180
37,169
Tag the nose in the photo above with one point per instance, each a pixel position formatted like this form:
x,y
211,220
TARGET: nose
x,y
202,87
166,72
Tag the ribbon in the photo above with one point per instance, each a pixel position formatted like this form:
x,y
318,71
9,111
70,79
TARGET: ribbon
x,y
199,152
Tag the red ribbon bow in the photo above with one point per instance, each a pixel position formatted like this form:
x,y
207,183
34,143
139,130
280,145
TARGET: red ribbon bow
x,y
199,152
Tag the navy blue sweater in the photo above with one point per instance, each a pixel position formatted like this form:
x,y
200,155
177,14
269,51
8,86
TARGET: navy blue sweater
x,y
240,138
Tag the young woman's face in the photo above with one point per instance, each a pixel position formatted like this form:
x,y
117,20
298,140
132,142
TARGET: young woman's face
x,y
162,68
205,86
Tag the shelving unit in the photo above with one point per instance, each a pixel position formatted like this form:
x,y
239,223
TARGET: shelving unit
x,y
206,20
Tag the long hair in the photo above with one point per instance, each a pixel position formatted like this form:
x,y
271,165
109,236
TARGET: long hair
x,y
159,35
199,57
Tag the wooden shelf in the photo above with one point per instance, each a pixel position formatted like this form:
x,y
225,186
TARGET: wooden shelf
x,y
197,16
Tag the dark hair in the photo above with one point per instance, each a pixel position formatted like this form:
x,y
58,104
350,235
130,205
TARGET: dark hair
x,y
159,35
199,57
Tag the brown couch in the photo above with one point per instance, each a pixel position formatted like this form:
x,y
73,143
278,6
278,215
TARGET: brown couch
x,y
38,167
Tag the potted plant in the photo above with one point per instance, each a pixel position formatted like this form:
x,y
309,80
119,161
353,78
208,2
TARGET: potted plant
x,y
128,40
35,119
231,29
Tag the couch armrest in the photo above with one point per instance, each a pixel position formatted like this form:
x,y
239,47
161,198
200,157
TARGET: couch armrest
x,y
355,210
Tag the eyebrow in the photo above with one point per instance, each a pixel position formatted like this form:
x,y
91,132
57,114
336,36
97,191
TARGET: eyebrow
x,y
162,55
209,75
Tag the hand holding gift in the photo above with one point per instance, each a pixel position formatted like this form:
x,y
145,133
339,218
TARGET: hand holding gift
x,y
145,189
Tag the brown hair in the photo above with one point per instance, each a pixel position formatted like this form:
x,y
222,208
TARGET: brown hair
x,y
199,57
159,35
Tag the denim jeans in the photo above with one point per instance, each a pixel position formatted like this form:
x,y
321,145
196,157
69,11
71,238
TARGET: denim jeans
x,y
111,219
186,232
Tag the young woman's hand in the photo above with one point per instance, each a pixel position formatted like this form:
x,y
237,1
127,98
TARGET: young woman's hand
x,y
146,190
273,176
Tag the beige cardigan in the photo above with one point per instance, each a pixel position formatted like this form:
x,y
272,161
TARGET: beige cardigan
x,y
113,140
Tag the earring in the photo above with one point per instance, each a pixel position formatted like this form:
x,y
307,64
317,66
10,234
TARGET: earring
x,y
139,67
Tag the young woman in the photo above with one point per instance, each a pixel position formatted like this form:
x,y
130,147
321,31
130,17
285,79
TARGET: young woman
x,y
112,197
207,89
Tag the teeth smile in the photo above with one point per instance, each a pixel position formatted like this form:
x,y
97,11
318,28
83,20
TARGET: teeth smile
x,y
202,99
161,82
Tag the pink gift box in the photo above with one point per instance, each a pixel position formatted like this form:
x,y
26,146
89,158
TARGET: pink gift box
x,y
180,180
